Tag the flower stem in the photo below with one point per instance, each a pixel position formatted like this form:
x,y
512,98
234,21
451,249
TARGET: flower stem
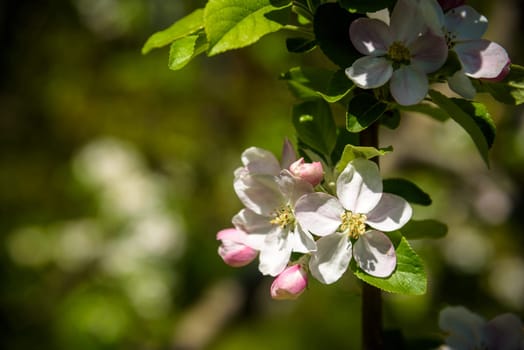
x,y
372,334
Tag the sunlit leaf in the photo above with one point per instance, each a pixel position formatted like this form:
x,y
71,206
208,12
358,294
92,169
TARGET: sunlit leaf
x,y
232,24
183,50
181,28
409,276
351,152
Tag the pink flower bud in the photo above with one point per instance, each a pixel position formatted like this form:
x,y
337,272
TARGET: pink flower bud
x,y
233,249
503,73
450,4
310,172
290,283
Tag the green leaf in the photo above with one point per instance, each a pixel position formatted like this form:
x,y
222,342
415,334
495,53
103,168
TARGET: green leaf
x,y
407,190
391,119
409,276
363,110
351,152
465,120
480,116
331,26
307,83
428,109
300,45
510,90
181,28
417,229
232,24
344,138
363,6
315,126
185,49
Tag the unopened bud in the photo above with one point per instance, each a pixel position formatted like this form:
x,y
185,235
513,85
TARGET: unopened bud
x,y
310,172
233,249
290,283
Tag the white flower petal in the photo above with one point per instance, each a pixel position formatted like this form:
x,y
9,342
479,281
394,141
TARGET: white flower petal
x,y
292,188
482,58
433,15
375,254
370,36
408,85
369,72
274,256
289,155
331,259
318,213
460,83
250,222
302,241
465,23
429,52
260,161
390,214
259,193
407,21
464,327
359,186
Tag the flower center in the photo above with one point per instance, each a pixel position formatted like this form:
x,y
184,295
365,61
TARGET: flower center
x,y
399,53
353,223
284,217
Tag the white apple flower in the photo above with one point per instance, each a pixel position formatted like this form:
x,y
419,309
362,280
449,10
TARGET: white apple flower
x,y
351,225
402,53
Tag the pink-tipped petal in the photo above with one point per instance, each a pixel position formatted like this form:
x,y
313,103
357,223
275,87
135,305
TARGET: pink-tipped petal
x,y
370,36
331,259
465,23
290,283
318,213
408,85
390,214
233,249
369,72
359,186
310,172
375,254
288,154
482,58
260,161
429,52
503,74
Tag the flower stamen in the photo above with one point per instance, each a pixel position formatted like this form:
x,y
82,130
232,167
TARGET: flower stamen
x,y
399,53
353,223
284,217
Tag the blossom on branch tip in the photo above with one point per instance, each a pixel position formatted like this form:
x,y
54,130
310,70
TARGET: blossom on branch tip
x,y
467,330
463,28
351,224
290,283
402,53
234,249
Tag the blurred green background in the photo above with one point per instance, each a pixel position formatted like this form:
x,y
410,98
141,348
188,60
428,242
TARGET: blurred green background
x,y
116,174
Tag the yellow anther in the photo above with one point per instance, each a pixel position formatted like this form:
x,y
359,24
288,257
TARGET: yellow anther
x,y
284,217
399,53
353,223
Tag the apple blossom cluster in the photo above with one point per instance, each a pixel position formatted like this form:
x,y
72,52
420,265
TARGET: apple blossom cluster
x,y
287,214
418,40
